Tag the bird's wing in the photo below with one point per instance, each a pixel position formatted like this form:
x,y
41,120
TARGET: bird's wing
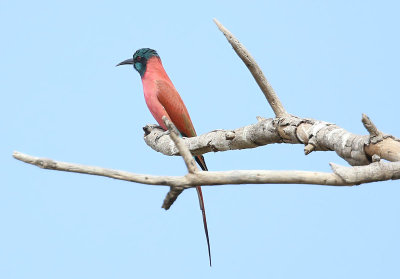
x,y
176,109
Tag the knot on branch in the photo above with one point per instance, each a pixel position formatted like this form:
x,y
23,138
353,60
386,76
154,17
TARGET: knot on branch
x,y
230,135
376,158
46,164
309,148
287,127
384,146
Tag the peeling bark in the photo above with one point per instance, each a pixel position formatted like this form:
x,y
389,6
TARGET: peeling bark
x,y
322,136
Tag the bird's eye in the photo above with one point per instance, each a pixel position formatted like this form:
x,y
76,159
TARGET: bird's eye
x,y
139,58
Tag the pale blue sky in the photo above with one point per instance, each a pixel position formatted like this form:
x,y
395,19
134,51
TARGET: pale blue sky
x,y
63,98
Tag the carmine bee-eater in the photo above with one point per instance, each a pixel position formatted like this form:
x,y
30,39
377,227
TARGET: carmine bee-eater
x,y
162,99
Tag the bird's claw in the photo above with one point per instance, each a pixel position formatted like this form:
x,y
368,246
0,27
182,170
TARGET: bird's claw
x,y
162,134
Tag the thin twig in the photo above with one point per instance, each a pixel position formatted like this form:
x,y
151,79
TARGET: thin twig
x,y
180,144
370,126
255,70
50,164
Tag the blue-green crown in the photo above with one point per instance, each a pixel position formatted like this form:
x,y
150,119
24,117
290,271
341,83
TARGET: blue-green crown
x,y
140,58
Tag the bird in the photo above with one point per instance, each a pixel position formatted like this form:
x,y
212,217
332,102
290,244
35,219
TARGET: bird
x,y
163,99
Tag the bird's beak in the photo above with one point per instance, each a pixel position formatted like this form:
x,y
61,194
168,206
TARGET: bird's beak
x,y
126,62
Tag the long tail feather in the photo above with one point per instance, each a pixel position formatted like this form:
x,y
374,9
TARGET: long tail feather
x,y
203,211
202,164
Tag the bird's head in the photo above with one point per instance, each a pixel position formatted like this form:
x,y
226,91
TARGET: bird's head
x,y
139,60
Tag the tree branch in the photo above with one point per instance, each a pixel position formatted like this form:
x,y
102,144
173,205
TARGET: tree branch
x,y
380,145
370,126
342,176
255,70
316,135
180,145
319,135
174,192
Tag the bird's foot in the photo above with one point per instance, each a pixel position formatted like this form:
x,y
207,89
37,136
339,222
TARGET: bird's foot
x,y
162,134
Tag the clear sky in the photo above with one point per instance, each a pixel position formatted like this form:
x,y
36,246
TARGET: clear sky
x,y
63,98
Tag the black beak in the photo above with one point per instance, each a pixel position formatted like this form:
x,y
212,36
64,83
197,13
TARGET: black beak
x,y
126,62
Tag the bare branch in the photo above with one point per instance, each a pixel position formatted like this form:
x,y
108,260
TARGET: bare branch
x,y
49,164
370,126
174,192
378,171
388,149
171,197
180,144
343,176
315,135
255,70
380,145
261,133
